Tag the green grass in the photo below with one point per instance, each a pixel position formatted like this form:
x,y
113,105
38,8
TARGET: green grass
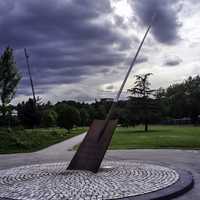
x,y
29,140
164,137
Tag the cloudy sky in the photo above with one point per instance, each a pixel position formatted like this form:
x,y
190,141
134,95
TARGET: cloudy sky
x,y
81,49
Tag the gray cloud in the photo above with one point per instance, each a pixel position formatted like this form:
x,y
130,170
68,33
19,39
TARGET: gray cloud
x,y
172,61
110,87
67,40
70,41
165,28
140,59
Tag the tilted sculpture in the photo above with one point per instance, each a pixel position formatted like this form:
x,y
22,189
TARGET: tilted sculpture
x,y
95,144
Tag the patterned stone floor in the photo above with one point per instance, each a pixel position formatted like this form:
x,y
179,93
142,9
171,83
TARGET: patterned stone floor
x,y
115,180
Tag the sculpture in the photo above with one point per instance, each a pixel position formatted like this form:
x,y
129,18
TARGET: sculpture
x,y
95,144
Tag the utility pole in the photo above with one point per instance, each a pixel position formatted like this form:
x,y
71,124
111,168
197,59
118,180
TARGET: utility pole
x,y
30,76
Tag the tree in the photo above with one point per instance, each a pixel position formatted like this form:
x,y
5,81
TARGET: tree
x,y
49,118
68,116
28,115
175,95
162,103
100,112
141,95
9,78
183,99
84,117
192,97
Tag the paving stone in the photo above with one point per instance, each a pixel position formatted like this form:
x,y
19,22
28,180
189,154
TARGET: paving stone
x,y
116,179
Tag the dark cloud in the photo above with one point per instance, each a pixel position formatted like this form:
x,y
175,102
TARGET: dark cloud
x,y
165,28
66,39
140,59
173,61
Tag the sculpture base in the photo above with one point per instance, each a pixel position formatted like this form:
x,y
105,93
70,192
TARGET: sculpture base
x,y
115,180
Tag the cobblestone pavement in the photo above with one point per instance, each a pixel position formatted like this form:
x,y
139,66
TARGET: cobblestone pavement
x,y
115,180
183,159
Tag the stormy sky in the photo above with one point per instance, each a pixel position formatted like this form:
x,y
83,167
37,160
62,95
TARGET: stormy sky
x,y
81,49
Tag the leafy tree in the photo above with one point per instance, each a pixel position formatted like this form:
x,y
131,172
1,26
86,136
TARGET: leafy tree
x,y
141,96
162,103
28,115
68,116
9,78
84,117
192,97
181,100
124,117
100,111
49,118
175,95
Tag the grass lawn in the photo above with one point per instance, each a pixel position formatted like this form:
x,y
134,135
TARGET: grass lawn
x,y
180,137
28,140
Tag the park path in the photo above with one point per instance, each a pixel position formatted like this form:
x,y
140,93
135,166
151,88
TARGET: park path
x,y
62,147
57,152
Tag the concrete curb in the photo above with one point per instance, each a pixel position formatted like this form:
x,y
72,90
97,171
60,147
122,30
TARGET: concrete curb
x,y
184,184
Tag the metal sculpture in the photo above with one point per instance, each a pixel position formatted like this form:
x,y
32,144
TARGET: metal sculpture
x,y
95,144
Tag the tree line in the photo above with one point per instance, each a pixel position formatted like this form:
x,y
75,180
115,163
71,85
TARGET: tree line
x,y
144,105
156,106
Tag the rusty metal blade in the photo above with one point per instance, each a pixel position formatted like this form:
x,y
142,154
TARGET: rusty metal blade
x,y
91,151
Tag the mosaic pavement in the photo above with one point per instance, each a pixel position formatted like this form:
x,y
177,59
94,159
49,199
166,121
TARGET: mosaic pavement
x,y
114,180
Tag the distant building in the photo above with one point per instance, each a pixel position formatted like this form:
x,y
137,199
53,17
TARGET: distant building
x,y
184,120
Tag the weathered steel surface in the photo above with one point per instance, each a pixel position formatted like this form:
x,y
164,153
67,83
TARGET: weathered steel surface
x,y
91,151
